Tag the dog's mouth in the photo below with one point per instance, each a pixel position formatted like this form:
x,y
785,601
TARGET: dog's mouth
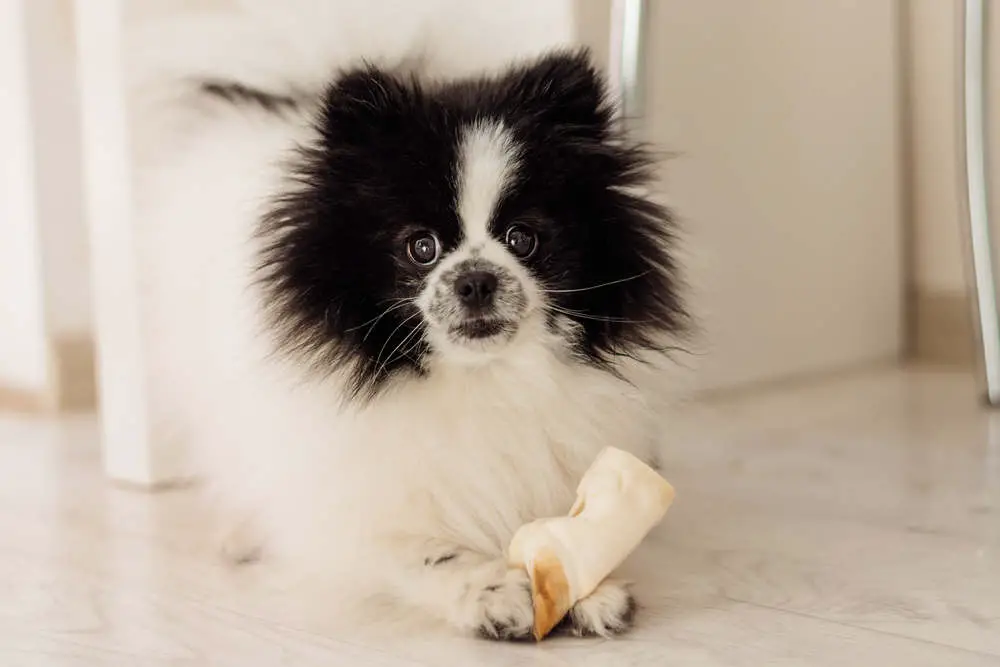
x,y
480,328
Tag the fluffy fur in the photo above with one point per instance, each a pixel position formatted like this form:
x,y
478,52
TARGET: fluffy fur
x,y
384,423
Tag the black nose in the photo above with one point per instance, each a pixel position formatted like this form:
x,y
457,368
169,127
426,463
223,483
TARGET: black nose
x,y
476,288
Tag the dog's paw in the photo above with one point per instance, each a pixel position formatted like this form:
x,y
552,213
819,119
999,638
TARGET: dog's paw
x,y
500,607
241,544
608,611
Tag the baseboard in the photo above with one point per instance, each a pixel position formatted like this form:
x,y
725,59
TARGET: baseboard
x,y
15,399
942,328
73,387
75,372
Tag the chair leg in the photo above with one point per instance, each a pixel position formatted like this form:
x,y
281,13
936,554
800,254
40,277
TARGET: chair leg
x,y
977,184
131,452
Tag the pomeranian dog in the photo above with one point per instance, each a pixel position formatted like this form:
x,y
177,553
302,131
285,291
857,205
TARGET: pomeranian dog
x,y
397,318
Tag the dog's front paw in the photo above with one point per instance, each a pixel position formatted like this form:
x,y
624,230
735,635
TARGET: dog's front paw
x,y
500,606
608,611
241,543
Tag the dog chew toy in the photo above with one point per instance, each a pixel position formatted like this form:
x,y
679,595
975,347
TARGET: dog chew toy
x,y
618,501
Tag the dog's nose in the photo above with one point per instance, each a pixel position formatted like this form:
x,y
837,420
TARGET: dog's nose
x,y
476,289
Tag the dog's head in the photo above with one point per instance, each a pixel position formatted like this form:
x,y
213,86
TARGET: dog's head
x,y
455,222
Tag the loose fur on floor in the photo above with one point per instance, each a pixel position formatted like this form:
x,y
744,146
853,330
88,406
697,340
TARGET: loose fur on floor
x,y
397,317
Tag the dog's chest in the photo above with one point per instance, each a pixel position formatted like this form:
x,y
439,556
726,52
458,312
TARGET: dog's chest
x,y
477,455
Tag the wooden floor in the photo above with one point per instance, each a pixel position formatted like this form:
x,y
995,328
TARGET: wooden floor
x,y
855,522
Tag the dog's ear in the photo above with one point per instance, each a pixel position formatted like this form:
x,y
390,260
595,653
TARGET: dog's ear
x,y
364,101
368,87
562,88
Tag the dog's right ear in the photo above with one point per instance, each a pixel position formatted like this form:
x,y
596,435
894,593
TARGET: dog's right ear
x,y
365,100
561,89
369,87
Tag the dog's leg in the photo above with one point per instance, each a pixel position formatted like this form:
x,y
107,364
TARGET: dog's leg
x,y
241,542
473,592
608,611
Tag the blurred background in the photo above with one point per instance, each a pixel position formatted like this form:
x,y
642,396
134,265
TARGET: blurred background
x,y
817,172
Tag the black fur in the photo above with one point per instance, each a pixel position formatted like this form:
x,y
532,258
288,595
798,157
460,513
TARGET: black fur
x,y
433,561
239,95
384,167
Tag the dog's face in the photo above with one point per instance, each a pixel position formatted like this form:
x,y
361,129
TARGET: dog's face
x,y
454,222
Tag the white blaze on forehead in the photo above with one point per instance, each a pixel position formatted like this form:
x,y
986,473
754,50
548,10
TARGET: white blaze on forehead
x,y
487,165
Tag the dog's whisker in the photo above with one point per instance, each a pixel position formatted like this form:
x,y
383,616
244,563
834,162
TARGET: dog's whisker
x,y
395,307
598,318
416,343
392,354
374,319
396,303
389,338
406,353
593,287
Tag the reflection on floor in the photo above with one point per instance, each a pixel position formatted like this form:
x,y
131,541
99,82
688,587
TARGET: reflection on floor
x,y
852,522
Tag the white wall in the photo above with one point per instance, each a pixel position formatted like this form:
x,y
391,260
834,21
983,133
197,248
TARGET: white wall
x,y
936,171
24,361
938,195
785,118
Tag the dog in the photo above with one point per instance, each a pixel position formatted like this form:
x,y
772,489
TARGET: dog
x,y
398,317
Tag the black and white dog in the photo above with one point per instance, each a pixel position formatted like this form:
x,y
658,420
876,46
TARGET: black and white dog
x,y
399,318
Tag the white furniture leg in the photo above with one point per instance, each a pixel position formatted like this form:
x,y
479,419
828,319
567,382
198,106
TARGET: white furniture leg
x,y
627,56
977,184
25,363
131,452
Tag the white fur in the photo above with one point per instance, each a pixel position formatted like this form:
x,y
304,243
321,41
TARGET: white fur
x,y
488,160
361,498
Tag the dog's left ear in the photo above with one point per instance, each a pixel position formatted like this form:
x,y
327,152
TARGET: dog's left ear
x,y
562,88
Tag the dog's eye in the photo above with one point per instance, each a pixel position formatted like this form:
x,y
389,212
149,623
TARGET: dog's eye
x,y
423,249
521,241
